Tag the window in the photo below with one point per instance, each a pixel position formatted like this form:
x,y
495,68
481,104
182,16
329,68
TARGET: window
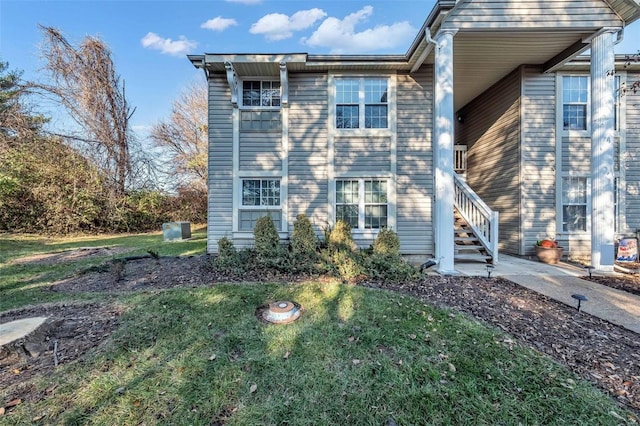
x,y
575,94
361,103
362,203
258,93
574,204
347,202
575,98
261,192
260,197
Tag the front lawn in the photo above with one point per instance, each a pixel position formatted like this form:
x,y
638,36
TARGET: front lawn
x,y
197,355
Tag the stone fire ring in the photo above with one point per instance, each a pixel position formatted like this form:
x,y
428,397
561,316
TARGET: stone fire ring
x,y
280,312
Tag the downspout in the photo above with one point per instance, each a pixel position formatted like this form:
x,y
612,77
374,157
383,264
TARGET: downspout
x,y
428,38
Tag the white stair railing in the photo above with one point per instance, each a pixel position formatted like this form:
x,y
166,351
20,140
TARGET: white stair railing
x,y
482,220
460,158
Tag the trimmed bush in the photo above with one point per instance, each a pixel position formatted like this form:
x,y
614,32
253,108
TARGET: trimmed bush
x,y
387,242
227,259
269,253
347,265
266,237
340,238
304,241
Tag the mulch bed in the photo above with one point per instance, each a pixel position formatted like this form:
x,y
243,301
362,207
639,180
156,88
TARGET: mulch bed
x,y
625,282
601,352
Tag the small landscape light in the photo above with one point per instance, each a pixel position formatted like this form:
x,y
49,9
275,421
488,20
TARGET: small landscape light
x,y
489,269
590,269
580,298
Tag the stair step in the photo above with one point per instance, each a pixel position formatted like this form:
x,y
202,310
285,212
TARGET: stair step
x,y
466,239
466,247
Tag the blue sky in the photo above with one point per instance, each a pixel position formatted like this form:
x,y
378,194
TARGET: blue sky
x,y
149,39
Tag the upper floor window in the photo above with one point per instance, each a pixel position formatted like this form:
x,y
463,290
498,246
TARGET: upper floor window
x,y
361,103
575,96
261,93
575,102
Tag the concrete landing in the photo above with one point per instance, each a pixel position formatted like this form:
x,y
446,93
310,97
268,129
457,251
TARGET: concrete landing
x,y
559,282
18,329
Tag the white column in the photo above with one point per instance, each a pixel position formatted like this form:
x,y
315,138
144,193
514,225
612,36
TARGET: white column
x,y
443,151
602,151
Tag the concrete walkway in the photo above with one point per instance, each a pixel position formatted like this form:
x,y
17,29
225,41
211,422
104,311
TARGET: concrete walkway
x,y
559,282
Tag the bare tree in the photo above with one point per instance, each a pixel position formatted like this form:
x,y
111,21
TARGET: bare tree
x,y
84,81
184,137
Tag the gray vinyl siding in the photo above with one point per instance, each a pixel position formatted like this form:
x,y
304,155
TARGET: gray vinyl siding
x,y
308,114
484,14
491,130
220,203
362,154
414,188
538,156
576,155
260,151
632,157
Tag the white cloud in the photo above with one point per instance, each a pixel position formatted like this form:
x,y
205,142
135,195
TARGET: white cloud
x,y
219,23
245,1
168,46
277,26
340,36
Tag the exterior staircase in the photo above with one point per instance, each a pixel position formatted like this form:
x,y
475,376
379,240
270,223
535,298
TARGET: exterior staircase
x,y
475,224
467,244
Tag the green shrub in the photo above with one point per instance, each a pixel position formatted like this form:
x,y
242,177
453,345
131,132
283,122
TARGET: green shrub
x,y
227,259
347,265
387,242
266,237
304,241
268,251
340,238
390,267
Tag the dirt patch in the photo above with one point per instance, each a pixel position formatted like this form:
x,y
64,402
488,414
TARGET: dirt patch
x,y
70,255
151,273
140,274
74,330
603,353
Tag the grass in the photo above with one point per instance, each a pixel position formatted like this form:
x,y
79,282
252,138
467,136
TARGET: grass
x,y
356,356
25,284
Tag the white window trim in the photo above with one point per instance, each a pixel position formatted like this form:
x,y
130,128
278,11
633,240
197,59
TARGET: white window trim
x,y
237,203
560,105
390,132
241,104
560,173
391,105
560,204
260,206
391,202
238,175
621,220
